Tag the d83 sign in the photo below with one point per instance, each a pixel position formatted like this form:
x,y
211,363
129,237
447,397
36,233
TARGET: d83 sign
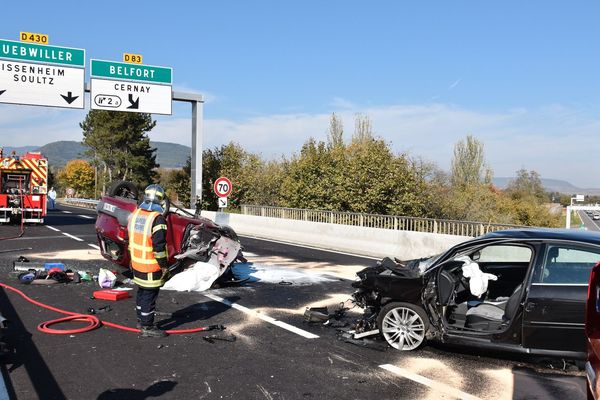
x,y
222,187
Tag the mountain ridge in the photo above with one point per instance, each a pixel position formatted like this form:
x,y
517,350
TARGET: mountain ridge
x,y
168,155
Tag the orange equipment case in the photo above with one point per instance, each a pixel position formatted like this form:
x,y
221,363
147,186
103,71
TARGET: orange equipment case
x,y
111,294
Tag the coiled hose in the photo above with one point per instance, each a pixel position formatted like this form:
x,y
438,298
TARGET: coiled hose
x,y
93,321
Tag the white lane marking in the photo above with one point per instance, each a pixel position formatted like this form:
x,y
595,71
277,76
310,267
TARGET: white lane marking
x,y
441,387
67,212
85,216
264,317
94,246
66,234
72,237
310,247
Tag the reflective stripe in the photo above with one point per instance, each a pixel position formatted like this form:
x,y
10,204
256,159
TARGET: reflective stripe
x,y
160,254
141,250
147,284
158,228
143,261
139,247
149,280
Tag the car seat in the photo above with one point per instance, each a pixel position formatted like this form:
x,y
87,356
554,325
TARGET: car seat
x,y
486,316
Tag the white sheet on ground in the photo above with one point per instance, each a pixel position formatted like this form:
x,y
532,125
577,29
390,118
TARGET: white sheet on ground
x,y
197,278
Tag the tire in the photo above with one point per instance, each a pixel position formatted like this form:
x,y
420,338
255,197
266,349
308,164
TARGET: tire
x,y
403,325
123,189
228,231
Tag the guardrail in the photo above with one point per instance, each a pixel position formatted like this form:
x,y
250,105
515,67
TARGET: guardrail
x,y
393,222
85,203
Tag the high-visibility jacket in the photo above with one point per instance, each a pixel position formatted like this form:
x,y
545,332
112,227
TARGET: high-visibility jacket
x,y
144,259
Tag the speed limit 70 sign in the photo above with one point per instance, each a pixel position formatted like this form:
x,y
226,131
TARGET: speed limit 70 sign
x,y
222,187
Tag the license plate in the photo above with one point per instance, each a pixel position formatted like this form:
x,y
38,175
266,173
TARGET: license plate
x,y
109,207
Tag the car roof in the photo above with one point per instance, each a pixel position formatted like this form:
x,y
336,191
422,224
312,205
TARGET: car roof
x,y
578,235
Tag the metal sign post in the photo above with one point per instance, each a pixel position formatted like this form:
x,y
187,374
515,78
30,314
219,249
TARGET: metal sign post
x,y
197,130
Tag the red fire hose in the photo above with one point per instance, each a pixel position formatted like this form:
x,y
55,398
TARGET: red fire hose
x,y
93,321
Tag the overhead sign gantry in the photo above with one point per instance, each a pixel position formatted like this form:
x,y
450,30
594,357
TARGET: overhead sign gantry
x,y
34,73
118,86
41,75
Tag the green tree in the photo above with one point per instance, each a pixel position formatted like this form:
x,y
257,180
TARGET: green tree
x,y
470,195
527,184
468,164
177,183
119,145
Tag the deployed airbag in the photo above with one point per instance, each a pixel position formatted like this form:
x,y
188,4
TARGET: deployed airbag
x,y
478,281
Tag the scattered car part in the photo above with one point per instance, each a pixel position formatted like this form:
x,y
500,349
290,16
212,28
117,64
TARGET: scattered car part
x,y
225,338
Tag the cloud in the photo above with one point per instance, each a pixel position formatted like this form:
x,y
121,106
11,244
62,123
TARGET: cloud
x,y
454,84
556,141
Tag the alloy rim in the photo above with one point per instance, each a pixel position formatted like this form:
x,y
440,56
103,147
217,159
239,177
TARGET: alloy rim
x,y
403,328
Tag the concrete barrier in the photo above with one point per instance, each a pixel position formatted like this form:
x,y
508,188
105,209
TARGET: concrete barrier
x,y
374,242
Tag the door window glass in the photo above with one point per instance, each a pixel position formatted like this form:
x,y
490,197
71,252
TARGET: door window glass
x,y
505,253
568,265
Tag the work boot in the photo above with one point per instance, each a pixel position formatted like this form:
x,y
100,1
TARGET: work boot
x,y
152,331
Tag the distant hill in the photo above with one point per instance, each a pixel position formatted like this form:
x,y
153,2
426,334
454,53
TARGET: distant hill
x,y
19,150
551,185
168,155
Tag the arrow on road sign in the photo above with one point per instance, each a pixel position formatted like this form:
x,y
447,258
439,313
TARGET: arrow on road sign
x,y
134,104
69,98
2,91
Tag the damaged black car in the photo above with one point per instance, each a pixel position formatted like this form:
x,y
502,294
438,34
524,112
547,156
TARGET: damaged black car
x,y
516,290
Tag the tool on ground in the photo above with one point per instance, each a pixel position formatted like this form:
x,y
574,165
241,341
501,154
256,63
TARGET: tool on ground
x,y
225,338
100,310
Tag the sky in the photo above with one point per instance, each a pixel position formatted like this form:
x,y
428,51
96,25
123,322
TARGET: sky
x,y
520,76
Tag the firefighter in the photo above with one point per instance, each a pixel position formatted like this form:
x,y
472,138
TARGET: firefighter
x,y
148,250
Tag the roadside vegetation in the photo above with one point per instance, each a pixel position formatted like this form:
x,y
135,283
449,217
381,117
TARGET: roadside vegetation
x,y
359,173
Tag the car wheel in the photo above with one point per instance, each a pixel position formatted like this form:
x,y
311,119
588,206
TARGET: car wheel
x,y
403,325
124,189
228,231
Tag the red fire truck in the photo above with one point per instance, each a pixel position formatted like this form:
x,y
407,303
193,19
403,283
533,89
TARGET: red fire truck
x,y
23,187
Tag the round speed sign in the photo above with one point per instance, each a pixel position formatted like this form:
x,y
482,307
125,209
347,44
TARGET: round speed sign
x,y
222,187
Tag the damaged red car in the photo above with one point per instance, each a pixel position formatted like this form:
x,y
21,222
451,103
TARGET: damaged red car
x,y
519,290
191,239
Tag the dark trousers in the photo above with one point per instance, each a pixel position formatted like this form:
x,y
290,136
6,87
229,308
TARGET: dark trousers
x,y
146,304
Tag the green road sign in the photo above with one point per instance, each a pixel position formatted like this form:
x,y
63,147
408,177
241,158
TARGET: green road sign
x,y
131,72
42,53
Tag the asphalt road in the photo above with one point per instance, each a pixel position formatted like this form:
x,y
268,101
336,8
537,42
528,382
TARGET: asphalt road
x,y
276,355
588,221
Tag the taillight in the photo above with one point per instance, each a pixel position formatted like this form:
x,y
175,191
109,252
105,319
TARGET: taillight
x,y
122,234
